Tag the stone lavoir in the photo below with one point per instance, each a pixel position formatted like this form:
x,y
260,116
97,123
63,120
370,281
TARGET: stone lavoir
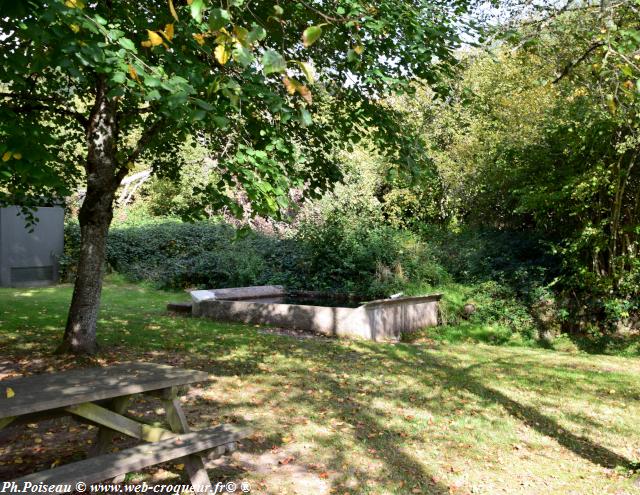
x,y
341,316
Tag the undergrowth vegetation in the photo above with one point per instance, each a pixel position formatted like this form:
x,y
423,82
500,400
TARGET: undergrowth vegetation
x,y
347,242
337,257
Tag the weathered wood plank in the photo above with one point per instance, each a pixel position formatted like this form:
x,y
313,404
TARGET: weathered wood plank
x,y
96,469
6,421
173,410
178,423
104,438
117,422
58,390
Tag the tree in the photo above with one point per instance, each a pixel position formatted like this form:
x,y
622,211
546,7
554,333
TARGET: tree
x,y
90,88
542,136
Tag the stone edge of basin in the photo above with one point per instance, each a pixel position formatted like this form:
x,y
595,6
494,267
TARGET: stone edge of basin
x,y
237,293
402,300
256,291
180,307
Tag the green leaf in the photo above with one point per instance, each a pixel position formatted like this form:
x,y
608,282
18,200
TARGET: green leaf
x,y
273,62
305,117
115,34
220,121
196,9
242,55
117,91
311,35
119,78
278,11
198,114
127,44
257,33
152,82
219,18
153,95
306,69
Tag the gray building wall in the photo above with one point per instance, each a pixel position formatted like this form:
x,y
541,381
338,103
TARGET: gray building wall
x,y
30,258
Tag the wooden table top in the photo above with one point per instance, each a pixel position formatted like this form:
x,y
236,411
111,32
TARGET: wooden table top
x,y
44,392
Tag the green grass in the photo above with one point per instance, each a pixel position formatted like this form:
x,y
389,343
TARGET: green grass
x,y
468,332
337,416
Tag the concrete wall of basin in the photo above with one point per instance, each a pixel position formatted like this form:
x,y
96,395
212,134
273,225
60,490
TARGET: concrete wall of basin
x,y
380,320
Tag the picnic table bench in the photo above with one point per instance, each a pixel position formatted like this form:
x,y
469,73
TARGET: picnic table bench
x,y
100,396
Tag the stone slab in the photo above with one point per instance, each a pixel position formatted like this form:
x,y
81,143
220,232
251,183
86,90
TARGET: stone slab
x,y
235,293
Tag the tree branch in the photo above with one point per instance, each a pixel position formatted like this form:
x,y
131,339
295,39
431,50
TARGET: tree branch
x,y
34,105
322,14
577,61
146,137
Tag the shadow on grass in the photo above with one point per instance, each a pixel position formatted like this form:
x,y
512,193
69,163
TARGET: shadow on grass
x,y
460,378
227,351
622,345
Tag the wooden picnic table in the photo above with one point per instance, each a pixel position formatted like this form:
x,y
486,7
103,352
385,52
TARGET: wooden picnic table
x,y
100,396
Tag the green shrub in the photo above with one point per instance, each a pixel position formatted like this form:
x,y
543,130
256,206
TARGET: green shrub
x,y
352,251
514,259
67,262
495,304
176,255
333,256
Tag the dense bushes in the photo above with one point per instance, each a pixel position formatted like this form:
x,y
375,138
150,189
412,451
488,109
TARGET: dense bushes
x,y
352,251
337,256
557,162
505,275
175,255
345,242
520,261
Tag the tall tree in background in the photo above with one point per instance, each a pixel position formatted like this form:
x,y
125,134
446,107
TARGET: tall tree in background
x,y
543,135
87,89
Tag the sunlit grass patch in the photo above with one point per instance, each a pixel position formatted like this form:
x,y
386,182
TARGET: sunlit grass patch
x,y
359,417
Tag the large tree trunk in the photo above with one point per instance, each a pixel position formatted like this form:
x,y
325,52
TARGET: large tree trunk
x,y
95,218
103,178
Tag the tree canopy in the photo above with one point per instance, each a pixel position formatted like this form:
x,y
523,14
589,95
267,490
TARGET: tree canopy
x,y
248,76
89,89
541,135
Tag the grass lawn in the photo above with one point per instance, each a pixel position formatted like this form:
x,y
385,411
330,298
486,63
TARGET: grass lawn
x,y
337,416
